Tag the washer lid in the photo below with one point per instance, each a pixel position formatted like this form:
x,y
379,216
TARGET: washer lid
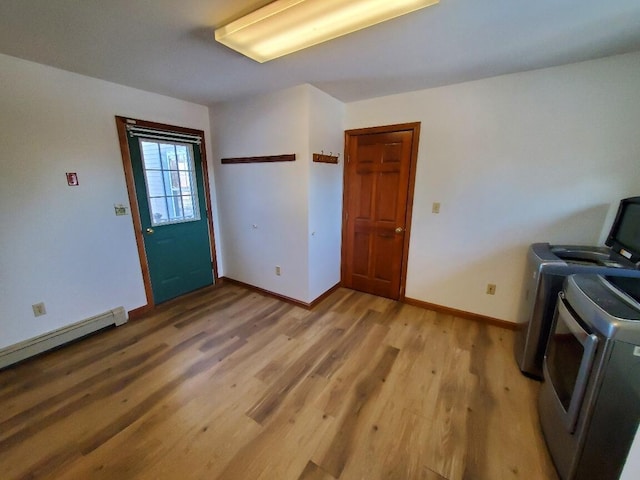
x,y
605,306
567,259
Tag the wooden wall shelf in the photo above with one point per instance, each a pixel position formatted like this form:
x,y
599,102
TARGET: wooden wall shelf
x,y
263,159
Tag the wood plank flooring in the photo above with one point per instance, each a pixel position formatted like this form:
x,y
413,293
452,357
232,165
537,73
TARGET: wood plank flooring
x,y
230,384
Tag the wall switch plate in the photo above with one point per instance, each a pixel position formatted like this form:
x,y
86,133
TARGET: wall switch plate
x,y
39,309
120,209
278,270
491,289
436,207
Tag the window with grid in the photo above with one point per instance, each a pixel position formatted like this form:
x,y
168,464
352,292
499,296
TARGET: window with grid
x,y
169,173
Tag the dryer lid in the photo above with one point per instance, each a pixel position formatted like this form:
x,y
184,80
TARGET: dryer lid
x,y
604,306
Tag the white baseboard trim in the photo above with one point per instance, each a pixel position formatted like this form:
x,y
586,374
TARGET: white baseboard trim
x,y
23,350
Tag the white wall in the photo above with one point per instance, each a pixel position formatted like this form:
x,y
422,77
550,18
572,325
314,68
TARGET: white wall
x,y
535,156
64,245
271,196
286,201
326,128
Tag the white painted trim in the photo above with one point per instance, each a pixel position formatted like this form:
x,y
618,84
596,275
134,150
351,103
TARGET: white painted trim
x,y
23,350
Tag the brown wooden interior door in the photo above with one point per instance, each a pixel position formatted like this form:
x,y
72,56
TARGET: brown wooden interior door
x,y
378,183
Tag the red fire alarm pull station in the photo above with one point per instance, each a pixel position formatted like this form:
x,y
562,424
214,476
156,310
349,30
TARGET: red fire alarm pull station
x,y
72,179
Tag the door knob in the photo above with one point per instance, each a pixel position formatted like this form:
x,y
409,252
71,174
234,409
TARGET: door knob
x,y
399,230
150,231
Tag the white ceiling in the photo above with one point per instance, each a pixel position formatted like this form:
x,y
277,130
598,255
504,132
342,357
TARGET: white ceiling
x,y
167,46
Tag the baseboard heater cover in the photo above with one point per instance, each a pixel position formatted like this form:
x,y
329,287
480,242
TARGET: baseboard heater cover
x,y
34,346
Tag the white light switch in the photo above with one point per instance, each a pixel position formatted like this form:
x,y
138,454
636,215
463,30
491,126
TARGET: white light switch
x,y
436,207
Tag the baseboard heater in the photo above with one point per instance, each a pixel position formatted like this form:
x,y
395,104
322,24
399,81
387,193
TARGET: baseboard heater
x,y
34,346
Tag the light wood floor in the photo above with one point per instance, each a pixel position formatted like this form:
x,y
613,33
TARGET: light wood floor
x,y
230,384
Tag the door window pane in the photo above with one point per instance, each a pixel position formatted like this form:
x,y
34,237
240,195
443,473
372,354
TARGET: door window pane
x,y
564,356
185,183
171,184
150,155
169,173
159,213
188,207
155,185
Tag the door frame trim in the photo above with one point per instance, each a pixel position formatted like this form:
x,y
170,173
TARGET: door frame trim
x,y
121,124
414,127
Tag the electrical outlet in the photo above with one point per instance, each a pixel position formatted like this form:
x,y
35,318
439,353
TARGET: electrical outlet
x,y
491,289
435,208
278,270
39,309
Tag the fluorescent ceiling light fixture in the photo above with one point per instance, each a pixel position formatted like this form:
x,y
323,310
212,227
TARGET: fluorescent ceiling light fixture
x,y
286,26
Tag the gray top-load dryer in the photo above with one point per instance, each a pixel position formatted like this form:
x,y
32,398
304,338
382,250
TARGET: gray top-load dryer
x,y
547,267
589,402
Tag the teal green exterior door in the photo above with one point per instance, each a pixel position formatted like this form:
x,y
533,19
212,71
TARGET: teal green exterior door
x,y
169,186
